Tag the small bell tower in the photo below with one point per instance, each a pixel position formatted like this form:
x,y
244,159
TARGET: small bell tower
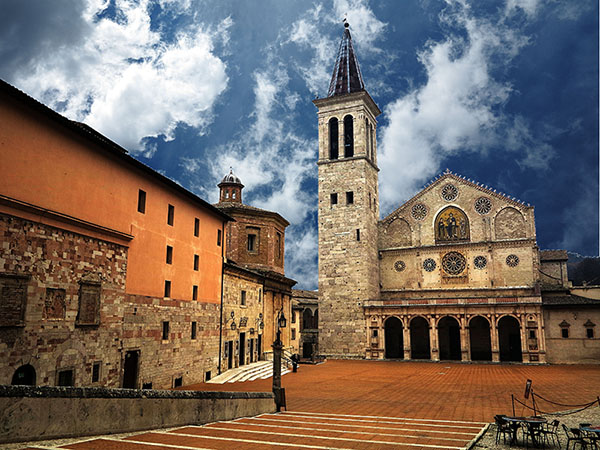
x,y
348,207
230,189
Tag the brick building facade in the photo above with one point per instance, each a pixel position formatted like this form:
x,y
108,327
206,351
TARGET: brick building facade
x,y
452,274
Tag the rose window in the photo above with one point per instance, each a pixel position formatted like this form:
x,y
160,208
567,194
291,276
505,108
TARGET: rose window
x,y
449,192
512,260
483,205
480,262
454,263
419,211
429,265
399,266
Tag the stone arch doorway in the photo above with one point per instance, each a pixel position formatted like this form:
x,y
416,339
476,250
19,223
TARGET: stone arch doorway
x,y
480,339
509,337
449,339
24,375
394,339
419,339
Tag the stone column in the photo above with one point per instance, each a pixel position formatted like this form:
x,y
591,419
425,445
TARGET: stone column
x,y
522,328
434,350
406,331
464,340
494,338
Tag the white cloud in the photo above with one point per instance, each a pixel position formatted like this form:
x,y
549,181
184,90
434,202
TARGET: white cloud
x,y
126,82
458,109
530,7
307,34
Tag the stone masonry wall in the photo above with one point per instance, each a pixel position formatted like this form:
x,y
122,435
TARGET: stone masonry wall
x,y
52,264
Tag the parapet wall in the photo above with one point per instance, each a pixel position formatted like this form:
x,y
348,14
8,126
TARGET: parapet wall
x,y
37,413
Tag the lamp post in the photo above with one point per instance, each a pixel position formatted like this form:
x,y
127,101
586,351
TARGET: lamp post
x,y
277,348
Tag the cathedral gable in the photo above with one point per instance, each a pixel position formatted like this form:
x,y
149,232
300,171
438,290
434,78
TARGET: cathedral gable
x,y
453,209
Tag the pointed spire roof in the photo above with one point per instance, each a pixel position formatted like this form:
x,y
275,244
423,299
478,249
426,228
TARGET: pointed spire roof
x,y
346,73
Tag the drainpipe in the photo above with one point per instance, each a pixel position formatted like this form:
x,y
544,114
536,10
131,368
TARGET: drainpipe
x,y
222,278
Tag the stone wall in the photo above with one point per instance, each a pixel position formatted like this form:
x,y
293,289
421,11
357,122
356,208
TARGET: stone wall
x,y
577,348
62,331
47,413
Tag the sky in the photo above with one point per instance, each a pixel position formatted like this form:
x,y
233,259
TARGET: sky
x,y
504,92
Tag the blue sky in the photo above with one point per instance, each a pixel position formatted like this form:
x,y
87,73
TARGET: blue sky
x,y
502,92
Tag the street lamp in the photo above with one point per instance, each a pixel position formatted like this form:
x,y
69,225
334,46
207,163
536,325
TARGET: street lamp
x,y
277,348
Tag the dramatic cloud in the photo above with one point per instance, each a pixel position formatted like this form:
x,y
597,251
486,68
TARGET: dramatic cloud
x,y
308,33
459,108
122,78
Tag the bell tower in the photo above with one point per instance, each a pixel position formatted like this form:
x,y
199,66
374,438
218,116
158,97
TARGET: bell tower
x,y
348,207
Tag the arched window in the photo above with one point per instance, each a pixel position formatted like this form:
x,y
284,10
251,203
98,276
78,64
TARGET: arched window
x,y
348,136
333,139
24,375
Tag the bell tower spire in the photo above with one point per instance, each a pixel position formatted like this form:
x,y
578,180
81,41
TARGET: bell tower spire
x,y
346,76
348,207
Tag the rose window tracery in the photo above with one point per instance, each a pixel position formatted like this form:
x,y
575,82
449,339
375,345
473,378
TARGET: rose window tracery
x,y
429,265
480,262
449,192
512,260
454,263
399,266
419,211
483,205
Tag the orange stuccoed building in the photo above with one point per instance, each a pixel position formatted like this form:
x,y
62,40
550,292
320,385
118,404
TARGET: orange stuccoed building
x,y
110,273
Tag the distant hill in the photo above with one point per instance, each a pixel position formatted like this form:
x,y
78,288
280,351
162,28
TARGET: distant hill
x,y
583,269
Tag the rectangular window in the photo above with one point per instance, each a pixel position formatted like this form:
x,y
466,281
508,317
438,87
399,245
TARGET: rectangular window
x,y
194,327
293,334
13,300
243,298
167,288
169,254
531,334
589,333
65,377
171,215
374,333
147,385
96,372
564,332
196,227
357,234
333,199
294,316
178,382
89,304
207,376
196,262
260,294
195,292
219,238
251,242
165,331
142,201
349,198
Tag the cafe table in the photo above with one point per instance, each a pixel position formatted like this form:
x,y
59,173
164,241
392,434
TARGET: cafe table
x,y
532,424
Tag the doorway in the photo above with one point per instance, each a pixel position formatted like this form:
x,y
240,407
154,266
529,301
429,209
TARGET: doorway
x,y
509,337
251,350
130,369
394,339
242,349
229,354
419,339
24,375
449,339
259,347
480,339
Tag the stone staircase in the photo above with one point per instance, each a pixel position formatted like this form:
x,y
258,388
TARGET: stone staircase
x,y
254,371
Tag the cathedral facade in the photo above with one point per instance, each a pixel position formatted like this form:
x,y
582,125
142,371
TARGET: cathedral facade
x,y
454,273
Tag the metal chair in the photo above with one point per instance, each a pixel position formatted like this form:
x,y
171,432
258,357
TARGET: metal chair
x,y
574,435
503,428
550,431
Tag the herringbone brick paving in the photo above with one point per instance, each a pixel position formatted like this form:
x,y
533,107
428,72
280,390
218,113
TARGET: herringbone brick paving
x,y
375,405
